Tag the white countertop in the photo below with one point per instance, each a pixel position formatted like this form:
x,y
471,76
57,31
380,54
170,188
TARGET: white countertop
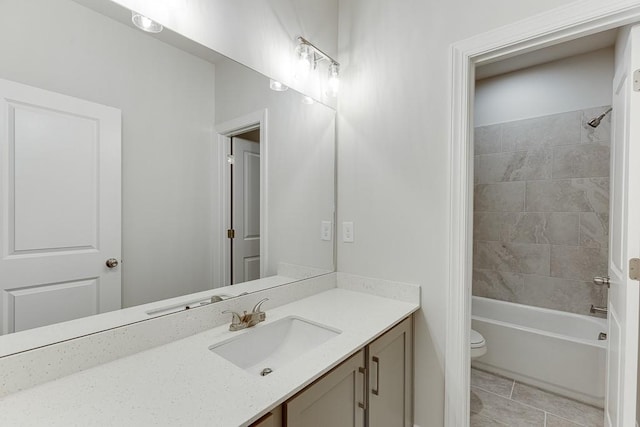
x,y
46,335
185,383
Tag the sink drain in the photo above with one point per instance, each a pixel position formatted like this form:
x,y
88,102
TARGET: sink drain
x,y
266,371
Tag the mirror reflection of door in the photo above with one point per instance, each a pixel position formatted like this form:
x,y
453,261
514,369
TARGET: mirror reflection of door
x,y
245,207
59,208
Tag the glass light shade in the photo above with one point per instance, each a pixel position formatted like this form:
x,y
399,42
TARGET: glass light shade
x,y
334,80
145,24
277,86
305,60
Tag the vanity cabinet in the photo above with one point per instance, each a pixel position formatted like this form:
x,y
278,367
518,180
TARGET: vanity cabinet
x,y
272,419
336,400
372,388
390,367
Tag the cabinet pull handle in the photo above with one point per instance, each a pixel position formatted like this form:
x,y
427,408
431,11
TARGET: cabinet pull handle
x,y
363,404
376,390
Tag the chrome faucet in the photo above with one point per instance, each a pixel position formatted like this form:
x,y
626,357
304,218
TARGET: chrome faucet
x,y
598,310
247,320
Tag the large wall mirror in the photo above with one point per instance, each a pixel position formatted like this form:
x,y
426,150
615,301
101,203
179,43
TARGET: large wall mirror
x,y
137,169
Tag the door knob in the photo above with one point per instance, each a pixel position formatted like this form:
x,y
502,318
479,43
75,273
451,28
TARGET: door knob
x,y
602,281
112,263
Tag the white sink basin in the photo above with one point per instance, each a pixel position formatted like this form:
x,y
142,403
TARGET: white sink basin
x,y
273,345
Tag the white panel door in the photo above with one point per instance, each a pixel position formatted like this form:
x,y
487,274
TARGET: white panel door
x,y
246,210
59,207
622,359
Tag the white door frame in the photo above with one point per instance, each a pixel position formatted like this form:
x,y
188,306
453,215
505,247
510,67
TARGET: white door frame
x,y
225,131
575,20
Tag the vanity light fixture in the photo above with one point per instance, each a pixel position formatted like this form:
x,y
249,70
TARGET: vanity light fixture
x,y
277,86
144,23
308,58
334,79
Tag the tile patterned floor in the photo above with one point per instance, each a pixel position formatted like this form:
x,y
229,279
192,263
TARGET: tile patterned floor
x,y
498,401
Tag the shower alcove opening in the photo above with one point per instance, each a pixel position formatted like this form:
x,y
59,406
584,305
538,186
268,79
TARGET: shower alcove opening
x,y
541,222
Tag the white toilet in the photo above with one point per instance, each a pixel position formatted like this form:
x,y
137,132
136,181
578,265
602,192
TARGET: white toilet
x,y
478,344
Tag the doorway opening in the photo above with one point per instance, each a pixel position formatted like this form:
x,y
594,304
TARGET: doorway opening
x,y
243,152
561,25
244,203
542,139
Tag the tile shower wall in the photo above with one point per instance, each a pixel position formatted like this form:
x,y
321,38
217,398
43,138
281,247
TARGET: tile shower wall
x,y
541,210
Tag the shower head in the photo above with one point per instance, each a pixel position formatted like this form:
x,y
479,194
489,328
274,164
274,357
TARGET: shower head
x,y
595,122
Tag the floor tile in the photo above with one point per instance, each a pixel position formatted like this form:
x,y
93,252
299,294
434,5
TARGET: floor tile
x,y
504,410
568,409
480,421
553,421
490,382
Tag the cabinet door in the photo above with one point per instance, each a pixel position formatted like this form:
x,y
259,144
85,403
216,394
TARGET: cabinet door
x,y
390,378
272,419
335,400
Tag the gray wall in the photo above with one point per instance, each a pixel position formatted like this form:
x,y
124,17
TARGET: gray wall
x,y
259,34
301,167
167,102
393,154
568,84
541,210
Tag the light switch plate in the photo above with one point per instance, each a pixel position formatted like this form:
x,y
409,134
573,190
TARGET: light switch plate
x,y
347,232
325,230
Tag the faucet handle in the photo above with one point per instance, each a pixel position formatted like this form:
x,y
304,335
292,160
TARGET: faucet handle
x,y
236,319
258,307
216,298
222,297
257,314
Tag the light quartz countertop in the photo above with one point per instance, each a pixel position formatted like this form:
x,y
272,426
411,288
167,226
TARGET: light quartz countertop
x,y
38,337
184,383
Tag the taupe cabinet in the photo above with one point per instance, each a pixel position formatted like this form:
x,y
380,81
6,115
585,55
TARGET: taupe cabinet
x,y
336,400
390,364
374,388
272,419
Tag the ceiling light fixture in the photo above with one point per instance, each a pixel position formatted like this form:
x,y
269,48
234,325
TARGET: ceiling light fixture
x,y
144,23
277,86
308,58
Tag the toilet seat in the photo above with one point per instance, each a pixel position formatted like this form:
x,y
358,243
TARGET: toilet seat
x,y
477,340
478,344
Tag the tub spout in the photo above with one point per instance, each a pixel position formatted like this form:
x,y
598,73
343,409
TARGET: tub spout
x,y
598,310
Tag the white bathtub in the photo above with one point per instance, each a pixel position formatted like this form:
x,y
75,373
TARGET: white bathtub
x,y
553,350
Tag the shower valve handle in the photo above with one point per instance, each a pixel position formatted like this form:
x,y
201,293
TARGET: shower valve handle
x,y
602,281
